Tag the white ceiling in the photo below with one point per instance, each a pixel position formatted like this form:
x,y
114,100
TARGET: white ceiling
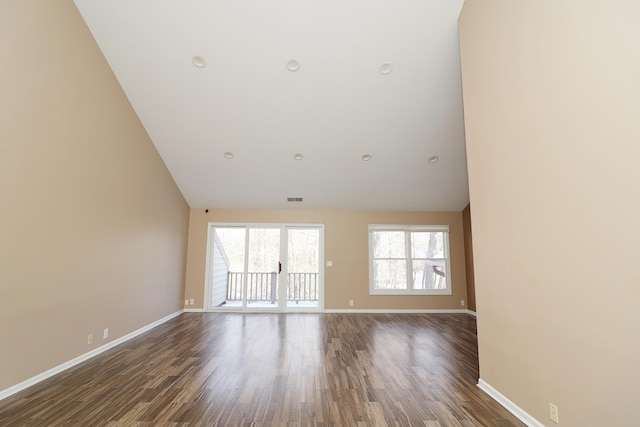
x,y
334,109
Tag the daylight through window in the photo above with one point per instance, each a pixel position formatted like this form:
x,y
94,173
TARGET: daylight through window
x,y
407,259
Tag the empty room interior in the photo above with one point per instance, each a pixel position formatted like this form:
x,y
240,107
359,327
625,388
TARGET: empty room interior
x,y
319,213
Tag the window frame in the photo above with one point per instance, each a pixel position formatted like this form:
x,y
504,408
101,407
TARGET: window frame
x,y
408,229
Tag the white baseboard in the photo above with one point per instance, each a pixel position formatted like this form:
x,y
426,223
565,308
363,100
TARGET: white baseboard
x,y
63,367
193,310
400,310
519,413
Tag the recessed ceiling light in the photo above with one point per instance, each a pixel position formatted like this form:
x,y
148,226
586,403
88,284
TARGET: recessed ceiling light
x,y
199,61
386,68
228,155
293,65
366,157
298,156
433,159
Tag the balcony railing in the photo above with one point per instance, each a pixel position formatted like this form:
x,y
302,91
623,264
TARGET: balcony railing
x,y
261,287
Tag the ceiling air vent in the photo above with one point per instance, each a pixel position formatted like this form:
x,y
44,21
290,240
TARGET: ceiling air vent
x,y
294,199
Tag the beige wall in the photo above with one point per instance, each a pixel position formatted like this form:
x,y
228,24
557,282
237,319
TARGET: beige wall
x,y
468,258
552,107
346,245
92,228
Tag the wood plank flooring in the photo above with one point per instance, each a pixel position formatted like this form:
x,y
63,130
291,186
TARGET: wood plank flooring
x,y
232,369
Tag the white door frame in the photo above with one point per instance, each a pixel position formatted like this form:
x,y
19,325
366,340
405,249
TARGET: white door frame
x,y
282,302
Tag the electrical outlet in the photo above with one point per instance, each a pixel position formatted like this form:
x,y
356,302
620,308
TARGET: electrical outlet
x,y
105,334
553,413
89,339
462,302
350,303
192,301
186,302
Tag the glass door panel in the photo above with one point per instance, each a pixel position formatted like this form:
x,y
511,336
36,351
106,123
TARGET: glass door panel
x,y
227,272
303,268
263,268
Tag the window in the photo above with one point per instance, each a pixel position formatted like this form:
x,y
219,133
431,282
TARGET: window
x,y
409,259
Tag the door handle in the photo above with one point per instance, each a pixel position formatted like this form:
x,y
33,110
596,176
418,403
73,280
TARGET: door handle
x,y
279,267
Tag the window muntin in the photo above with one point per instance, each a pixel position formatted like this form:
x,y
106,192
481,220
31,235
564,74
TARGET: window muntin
x,y
409,259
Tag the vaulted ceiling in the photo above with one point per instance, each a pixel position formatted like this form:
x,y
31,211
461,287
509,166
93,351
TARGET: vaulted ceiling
x,y
263,81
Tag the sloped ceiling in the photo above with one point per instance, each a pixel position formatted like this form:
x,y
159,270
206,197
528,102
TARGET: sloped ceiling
x,y
337,107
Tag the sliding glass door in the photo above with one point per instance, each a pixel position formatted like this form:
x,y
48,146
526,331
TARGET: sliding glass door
x,y
264,267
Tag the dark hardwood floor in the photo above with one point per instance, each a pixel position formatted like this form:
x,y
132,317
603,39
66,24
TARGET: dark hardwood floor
x,y
226,369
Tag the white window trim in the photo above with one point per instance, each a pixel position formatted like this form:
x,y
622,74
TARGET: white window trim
x,y
396,227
